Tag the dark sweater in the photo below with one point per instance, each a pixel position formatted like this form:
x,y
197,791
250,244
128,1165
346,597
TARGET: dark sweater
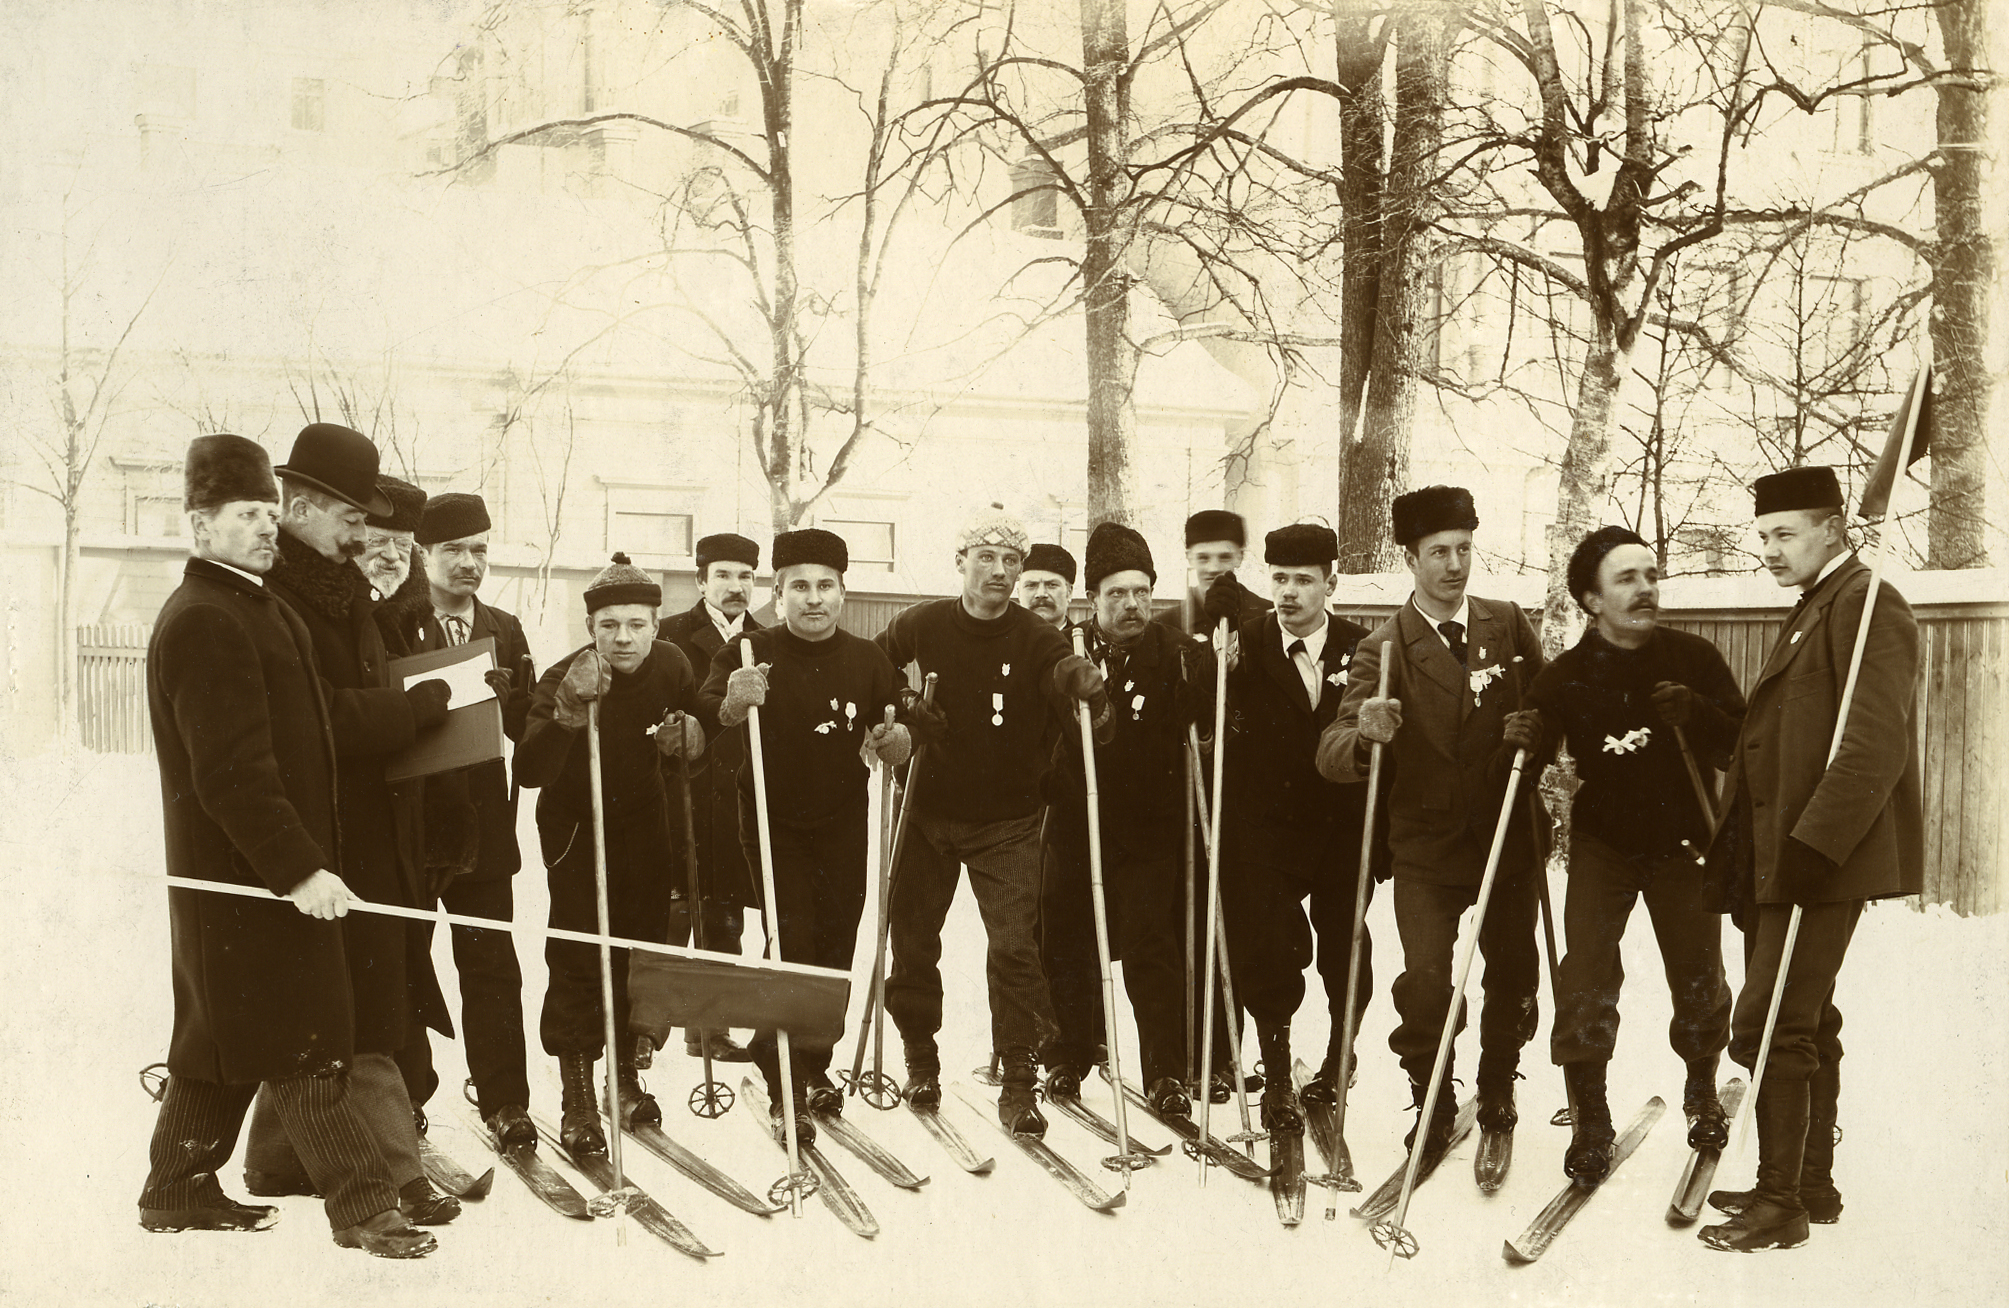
x,y
822,697
1635,794
554,757
996,687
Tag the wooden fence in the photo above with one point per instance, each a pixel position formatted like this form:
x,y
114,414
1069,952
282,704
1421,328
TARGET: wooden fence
x,y
1963,704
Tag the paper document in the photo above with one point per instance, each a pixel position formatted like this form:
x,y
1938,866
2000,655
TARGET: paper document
x,y
465,679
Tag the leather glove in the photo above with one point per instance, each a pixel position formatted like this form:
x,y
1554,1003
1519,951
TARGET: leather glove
x,y
891,745
428,700
1196,663
1077,678
1522,730
670,742
745,690
499,680
1380,719
586,680
1223,600
926,723
1674,702
1803,871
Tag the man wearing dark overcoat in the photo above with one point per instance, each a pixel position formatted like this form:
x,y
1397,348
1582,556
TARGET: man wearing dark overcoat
x,y
726,565
1813,825
1452,721
264,991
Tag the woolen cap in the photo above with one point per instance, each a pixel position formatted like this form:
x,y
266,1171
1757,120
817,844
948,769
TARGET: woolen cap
x,y
1589,554
1112,548
1797,488
223,468
622,583
339,460
453,515
1050,558
991,525
1216,524
408,505
811,545
1301,545
726,547
1428,511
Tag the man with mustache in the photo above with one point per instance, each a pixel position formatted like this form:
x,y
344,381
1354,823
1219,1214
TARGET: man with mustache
x,y
1046,587
1619,697
726,565
386,559
1452,725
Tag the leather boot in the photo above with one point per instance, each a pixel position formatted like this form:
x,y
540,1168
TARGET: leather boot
x,y
579,1114
1771,1216
1496,1095
1018,1098
1708,1126
1443,1118
1281,1111
1588,1159
638,1106
1817,1172
924,1071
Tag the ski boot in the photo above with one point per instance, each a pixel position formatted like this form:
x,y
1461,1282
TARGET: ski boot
x,y
1167,1097
1063,1081
1018,1098
387,1235
1770,1215
1280,1106
510,1126
1323,1088
579,1117
638,1106
424,1206
1496,1099
724,1048
1708,1127
924,1072
822,1096
1443,1117
1587,1161
805,1126
219,1214
1817,1171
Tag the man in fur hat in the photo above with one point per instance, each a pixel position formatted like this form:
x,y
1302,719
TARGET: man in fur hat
x,y
1006,681
726,565
1046,587
1160,683
1290,834
823,695
265,991
1822,833
1217,542
1452,721
638,681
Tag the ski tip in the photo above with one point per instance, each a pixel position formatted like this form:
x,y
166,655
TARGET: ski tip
x,y
1680,1220
482,1185
1515,1255
1116,1201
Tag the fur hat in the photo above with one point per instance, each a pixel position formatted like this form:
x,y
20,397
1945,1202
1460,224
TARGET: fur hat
x,y
1797,488
810,545
1050,558
223,468
1216,524
1113,547
338,460
622,583
1589,554
1433,509
408,504
454,515
725,547
1301,545
991,525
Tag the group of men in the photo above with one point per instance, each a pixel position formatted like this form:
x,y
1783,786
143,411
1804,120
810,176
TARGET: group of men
x,y
275,708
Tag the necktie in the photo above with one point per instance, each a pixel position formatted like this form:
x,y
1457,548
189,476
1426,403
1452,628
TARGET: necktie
x,y
1300,658
1454,636
457,630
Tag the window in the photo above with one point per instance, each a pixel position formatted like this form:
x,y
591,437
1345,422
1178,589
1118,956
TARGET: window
x,y
871,543
1854,116
1036,210
309,104
653,524
153,497
728,105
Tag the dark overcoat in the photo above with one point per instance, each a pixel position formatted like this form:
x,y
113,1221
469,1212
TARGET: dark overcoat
x,y
1865,810
723,871
382,836
1449,778
247,776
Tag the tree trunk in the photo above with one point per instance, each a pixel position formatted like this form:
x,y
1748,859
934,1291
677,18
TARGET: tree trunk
x,y
1585,481
787,438
1363,173
1112,361
1963,277
1377,466
69,731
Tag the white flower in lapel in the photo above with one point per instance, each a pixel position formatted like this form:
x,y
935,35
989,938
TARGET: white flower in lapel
x,y
1632,740
1480,678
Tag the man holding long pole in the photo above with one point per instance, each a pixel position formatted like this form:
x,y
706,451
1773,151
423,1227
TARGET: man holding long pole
x,y
1825,812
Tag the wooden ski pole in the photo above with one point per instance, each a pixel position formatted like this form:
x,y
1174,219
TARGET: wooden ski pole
x,y
618,1197
1125,1159
1541,872
1213,884
1229,1010
1193,1075
1695,780
1343,1178
714,1098
874,1023
1389,1233
771,924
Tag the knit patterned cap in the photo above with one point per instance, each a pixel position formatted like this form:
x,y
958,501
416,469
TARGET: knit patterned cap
x,y
622,583
991,525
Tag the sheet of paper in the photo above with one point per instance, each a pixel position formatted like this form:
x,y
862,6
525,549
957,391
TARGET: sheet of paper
x,y
465,679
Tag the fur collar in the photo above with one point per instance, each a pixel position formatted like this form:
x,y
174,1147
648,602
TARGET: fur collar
x,y
329,587
401,616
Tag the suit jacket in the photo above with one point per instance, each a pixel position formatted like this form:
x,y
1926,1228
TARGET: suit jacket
x,y
723,871
1864,811
1279,810
247,778
496,853
1450,778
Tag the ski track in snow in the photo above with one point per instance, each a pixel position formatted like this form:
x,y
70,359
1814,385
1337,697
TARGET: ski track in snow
x,y
88,1004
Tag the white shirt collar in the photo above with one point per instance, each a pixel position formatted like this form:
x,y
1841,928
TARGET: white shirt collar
x,y
1463,617
726,627
1314,644
1828,568
251,577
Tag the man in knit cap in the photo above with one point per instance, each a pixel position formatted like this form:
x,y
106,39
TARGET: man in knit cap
x,y
638,682
1452,721
1005,677
823,695
1160,682
1216,543
726,565
1047,585
1289,834
1622,699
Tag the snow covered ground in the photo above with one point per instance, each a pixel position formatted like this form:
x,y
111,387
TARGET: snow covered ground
x,y
87,1005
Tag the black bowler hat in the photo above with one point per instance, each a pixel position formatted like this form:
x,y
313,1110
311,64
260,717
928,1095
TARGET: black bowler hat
x,y
340,461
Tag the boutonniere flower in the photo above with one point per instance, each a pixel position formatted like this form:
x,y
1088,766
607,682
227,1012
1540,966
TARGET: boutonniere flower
x,y
1481,678
1338,678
